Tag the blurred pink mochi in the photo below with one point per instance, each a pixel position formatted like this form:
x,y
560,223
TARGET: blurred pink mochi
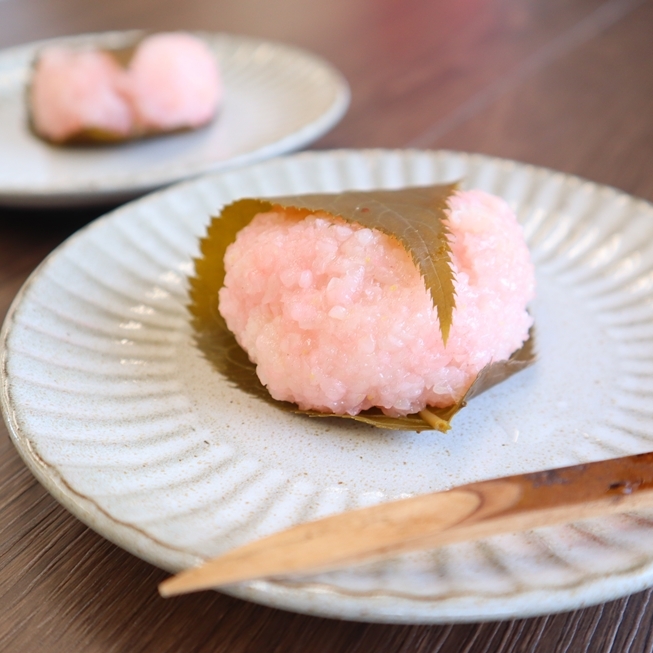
x,y
172,82
72,90
337,317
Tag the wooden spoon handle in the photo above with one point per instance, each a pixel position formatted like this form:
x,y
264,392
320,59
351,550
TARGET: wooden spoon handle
x,y
477,510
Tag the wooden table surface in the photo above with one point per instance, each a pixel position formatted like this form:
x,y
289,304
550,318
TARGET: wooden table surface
x,y
561,83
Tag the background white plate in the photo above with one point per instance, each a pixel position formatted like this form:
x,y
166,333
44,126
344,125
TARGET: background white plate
x,y
278,98
120,417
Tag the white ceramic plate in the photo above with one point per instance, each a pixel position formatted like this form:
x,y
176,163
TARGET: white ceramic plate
x,y
120,417
277,99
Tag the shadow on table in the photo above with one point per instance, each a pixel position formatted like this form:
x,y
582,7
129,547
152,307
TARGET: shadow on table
x,y
54,220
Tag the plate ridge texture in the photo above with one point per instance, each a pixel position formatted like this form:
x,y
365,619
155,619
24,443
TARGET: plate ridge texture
x,y
115,410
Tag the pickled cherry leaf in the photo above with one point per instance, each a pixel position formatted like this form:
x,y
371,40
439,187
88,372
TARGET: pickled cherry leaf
x,y
125,54
220,348
209,267
412,215
415,216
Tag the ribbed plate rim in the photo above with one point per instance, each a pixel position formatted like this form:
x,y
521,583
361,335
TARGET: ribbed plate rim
x,y
327,603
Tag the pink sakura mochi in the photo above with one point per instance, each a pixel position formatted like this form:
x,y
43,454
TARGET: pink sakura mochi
x,y
171,82
174,82
337,317
71,91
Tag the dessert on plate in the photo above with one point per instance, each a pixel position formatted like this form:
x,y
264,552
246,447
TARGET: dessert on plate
x,y
395,303
165,83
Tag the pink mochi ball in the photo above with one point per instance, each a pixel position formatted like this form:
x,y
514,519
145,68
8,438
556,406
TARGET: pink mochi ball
x,y
337,317
174,82
71,91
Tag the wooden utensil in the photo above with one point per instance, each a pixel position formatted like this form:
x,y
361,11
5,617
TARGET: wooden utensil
x,y
478,510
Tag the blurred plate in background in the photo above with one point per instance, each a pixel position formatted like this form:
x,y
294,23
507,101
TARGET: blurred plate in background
x,y
278,98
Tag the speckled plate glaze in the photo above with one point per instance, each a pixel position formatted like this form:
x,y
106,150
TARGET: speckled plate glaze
x,y
278,98
119,416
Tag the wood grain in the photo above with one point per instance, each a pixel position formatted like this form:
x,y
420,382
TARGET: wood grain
x,y
563,83
467,512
